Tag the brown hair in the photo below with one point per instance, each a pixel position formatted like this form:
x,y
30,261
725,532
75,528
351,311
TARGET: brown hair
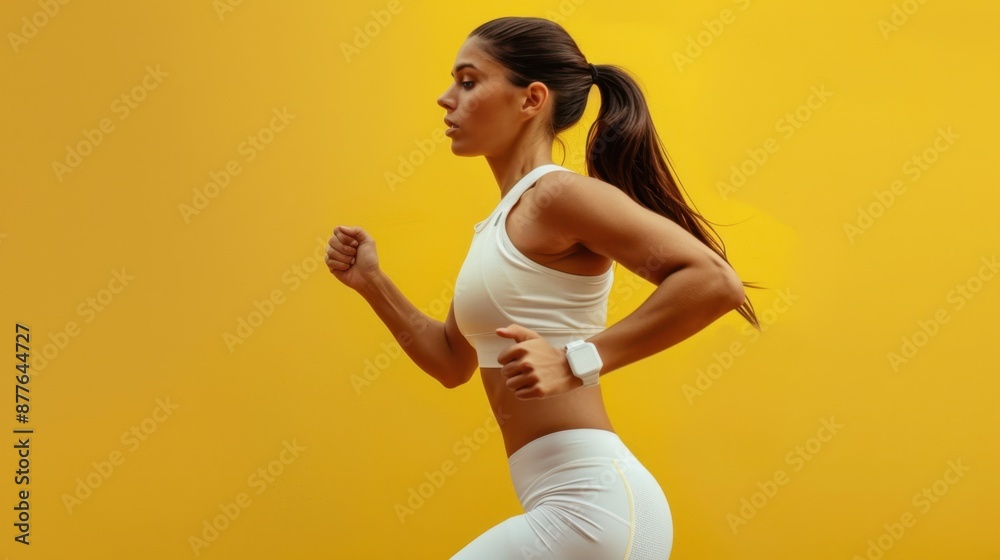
x,y
623,148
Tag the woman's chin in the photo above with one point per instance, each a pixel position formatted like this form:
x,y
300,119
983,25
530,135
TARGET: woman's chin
x,y
459,150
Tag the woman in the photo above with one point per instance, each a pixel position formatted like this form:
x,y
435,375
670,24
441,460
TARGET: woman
x,y
531,298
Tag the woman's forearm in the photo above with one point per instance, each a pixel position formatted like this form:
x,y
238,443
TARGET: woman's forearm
x,y
686,302
421,337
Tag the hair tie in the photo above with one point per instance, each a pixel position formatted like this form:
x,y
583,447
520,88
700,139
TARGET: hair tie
x,y
593,72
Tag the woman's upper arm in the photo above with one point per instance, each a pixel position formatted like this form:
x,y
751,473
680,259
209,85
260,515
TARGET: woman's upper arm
x,y
465,356
608,222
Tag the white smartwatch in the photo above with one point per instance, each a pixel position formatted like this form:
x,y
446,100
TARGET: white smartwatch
x,y
584,361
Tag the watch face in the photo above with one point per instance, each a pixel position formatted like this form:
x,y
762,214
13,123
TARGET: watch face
x,y
584,360
587,363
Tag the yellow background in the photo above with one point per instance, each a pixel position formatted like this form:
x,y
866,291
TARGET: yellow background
x,y
849,300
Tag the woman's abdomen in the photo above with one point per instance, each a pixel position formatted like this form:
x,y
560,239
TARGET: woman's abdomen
x,y
523,420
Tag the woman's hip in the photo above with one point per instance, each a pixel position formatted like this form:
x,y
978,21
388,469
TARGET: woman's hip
x,y
581,460
587,480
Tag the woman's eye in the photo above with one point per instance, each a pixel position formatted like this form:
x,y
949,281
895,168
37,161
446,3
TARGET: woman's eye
x,y
467,85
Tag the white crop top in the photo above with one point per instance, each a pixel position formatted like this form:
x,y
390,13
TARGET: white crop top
x,y
497,286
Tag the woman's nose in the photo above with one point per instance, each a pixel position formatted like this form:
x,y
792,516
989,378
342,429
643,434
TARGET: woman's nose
x,y
444,99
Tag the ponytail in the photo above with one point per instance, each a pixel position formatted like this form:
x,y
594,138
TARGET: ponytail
x,y
623,149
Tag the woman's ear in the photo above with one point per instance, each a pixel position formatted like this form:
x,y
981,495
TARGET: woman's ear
x,y
535,99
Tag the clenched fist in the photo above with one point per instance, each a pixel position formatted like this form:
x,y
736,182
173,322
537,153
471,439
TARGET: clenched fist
x,y
351,256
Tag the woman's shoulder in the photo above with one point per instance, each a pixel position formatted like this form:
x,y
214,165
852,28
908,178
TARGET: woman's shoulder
x,y
556,180
570,187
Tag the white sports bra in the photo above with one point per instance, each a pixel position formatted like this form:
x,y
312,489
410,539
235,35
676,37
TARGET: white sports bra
x,y
498,285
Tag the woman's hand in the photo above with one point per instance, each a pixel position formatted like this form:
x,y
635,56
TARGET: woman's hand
x,y
534,368
351,256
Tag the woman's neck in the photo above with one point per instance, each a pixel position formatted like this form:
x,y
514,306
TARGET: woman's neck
x,y
511,167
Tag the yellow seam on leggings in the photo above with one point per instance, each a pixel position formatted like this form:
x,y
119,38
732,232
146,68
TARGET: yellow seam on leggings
x,y
631,510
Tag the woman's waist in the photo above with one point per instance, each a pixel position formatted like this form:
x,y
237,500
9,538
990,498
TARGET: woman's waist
x,y
524,420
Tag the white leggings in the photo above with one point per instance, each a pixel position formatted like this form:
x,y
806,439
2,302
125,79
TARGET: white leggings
x,y
586,497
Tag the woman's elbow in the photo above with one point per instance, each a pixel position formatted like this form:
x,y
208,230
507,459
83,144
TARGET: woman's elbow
x,y
453,382
458,376
737,296
728,287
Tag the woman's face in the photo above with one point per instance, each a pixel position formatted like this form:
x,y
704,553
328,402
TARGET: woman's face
x,y
482,104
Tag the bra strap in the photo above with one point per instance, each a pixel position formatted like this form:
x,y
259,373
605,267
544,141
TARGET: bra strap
x,y
514,194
